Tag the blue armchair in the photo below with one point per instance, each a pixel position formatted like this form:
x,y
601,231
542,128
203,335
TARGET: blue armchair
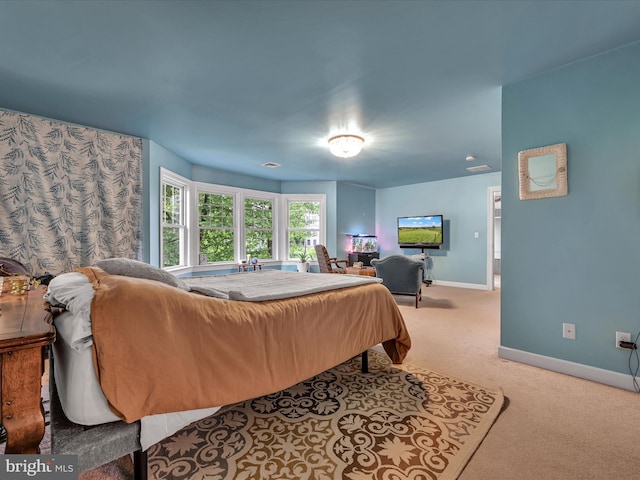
x,y
401,275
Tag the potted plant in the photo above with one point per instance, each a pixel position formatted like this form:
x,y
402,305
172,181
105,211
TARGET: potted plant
x,y
304,257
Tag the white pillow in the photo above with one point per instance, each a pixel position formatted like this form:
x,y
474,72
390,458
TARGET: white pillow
x,y
134,268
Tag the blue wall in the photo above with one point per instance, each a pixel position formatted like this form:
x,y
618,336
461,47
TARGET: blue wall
x,y
575,259
463,203
157,156
356,214
230,179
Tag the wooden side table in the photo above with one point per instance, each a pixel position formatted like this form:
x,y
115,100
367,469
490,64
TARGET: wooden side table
x,y
25,329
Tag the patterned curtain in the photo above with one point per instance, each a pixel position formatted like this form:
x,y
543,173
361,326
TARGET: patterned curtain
x,y
69,195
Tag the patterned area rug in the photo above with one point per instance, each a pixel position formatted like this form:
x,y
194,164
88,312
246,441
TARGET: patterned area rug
x,y
396,422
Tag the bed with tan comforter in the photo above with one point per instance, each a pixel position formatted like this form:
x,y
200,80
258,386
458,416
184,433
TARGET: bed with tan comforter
x,y
160,349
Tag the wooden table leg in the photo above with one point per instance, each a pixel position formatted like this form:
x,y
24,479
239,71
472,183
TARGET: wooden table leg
x,y
22,412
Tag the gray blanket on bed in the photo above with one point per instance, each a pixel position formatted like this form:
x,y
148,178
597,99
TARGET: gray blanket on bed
x,y
271,284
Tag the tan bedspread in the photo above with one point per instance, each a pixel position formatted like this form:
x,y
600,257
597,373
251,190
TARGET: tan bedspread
x,y
159,349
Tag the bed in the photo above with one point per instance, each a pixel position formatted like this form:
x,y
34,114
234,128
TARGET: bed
x,y
208,341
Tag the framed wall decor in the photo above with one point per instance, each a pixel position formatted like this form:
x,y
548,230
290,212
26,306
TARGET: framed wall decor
x,y
542,172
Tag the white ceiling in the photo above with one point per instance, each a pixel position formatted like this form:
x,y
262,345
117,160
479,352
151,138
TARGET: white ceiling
x,y
235,84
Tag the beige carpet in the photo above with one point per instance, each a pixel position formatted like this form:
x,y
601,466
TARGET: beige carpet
x,y
556,427
393,423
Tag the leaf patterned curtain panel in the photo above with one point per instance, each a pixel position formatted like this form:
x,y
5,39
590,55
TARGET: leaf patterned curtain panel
x,y
69,195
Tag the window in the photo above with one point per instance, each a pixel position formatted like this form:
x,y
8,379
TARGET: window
x,y
304,225
258,227
173,221
203,223
216,225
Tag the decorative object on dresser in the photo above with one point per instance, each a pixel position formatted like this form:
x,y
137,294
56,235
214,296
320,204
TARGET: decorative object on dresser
x,y
329,264
401,275
25,328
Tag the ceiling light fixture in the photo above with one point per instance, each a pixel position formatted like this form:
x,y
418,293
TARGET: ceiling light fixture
x,y
346,146
470,158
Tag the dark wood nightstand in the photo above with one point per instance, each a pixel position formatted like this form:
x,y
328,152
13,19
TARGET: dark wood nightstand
x,y
26,329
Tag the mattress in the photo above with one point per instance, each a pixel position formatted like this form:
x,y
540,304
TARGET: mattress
x,y
78,388
80,395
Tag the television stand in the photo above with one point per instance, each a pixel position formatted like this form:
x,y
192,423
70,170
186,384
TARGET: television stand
x,y
421,247
427,271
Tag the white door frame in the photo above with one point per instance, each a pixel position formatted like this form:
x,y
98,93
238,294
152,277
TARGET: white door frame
x,y
491,214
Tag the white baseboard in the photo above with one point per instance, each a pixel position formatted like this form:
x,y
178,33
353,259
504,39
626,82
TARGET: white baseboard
x,y
446,283
607,377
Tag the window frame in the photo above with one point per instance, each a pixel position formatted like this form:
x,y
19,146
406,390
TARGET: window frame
x,y
287,199
262,196
214,190
239,196
190,246
173,179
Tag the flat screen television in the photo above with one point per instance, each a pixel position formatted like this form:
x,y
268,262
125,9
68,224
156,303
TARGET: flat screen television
x,y
420,232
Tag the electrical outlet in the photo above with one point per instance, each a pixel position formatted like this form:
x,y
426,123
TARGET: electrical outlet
x,y
569,331
622,337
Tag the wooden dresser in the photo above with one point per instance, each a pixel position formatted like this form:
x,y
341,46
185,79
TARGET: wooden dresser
x,y
25,330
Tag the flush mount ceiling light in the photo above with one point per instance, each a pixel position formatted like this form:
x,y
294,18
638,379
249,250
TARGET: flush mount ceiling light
x,y
346,146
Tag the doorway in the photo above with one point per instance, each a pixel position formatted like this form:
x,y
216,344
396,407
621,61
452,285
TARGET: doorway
x,y
494,238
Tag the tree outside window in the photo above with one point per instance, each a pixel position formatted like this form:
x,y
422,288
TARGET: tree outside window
x,y
303,227
173,225
215,221
258,228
